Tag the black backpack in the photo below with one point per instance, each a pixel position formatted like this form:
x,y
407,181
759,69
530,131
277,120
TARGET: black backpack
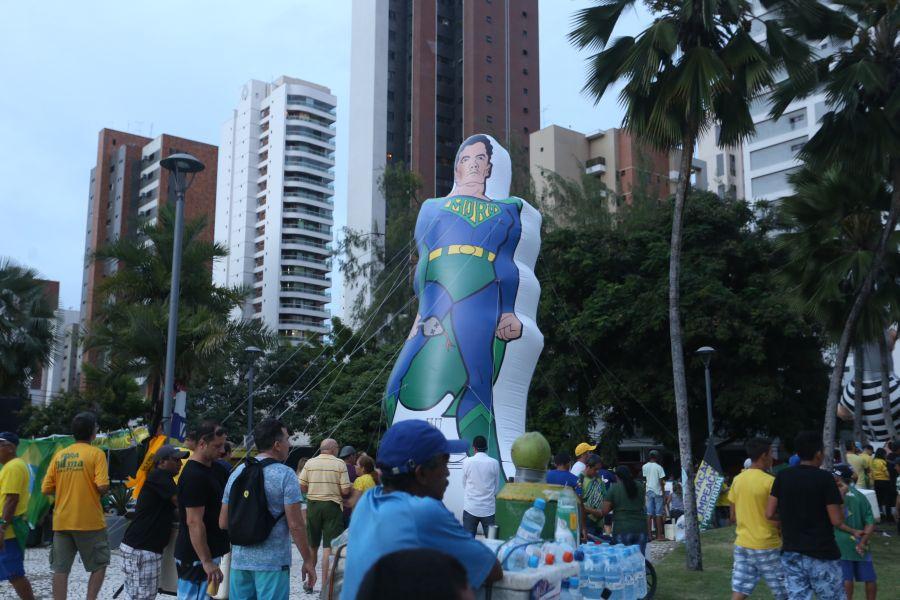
x,y
249,519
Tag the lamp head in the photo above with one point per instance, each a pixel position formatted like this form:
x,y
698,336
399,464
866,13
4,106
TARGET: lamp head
x,y
705,353
182,163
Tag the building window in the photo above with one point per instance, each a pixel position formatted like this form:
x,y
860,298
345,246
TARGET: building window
x,y
524,33
489,78
392,55
392,35
525,130
392,15
489,99
524,71
524,52
525,110
720,165
489,39
488,19
732,164
524,14
489,59
489,119
524,91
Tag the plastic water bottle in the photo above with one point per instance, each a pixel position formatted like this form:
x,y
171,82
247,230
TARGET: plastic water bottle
x,y
529,531
574,589
641,571
567,529
615,581
593,572
532,522
630,591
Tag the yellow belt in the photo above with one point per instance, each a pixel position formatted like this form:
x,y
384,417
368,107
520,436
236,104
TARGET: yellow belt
x,y
462,249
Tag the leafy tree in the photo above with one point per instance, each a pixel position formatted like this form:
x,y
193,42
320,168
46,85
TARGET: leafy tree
x,y
830,229
696,66
382,264
115,400
603,314
27,328
131,328
859,133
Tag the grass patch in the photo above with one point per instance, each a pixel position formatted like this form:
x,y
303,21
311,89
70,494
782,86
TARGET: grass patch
x,y
677,583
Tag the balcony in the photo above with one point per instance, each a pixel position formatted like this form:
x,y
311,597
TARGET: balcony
x,y
308,181
299,209
306,196
301,147
595,165
308,119
295,100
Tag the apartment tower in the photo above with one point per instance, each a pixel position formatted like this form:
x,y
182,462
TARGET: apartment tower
x,y
426,74
127,188
274,204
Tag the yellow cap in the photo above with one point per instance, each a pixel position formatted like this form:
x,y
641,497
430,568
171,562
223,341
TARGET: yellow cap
x,y
584,447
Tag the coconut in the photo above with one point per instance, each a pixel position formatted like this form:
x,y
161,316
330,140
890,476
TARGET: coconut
x,y
531,451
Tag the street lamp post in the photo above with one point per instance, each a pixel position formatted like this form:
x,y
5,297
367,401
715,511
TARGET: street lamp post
x,y
181,166
252,353
706,353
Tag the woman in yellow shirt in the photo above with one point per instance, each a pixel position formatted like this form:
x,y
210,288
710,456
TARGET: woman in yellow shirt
x,y
882,479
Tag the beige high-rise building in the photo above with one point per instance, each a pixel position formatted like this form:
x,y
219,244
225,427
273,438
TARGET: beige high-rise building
x,y
616,158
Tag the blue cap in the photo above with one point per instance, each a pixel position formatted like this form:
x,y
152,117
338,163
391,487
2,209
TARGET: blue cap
x,y
9,437
533,561
794,460
540,503
573,582
579,555
408,444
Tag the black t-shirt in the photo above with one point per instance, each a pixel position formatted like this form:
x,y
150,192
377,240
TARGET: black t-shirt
x,y
200,485
803,492
152,522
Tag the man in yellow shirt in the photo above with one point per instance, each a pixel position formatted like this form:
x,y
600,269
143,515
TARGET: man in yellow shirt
x,y
861,463
757,547
15,482
78,476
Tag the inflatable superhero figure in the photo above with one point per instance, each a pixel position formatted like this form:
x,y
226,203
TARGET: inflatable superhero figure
x,y
873,412
470,354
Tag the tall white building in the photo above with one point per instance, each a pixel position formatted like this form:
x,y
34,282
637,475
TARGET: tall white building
x,y
61,373
274,204
770,156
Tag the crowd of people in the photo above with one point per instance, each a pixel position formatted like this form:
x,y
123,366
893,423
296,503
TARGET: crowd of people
x,y
799,528
804,530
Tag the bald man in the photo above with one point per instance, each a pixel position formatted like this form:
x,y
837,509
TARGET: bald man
x,y
325,483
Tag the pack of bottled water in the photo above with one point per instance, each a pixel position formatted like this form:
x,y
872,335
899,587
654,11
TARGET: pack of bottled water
x,y
619,569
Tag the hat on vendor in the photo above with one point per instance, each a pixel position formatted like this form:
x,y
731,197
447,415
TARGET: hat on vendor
x,y
409,444
584,447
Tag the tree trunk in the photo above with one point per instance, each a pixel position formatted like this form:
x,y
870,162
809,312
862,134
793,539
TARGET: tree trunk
x,y
858,367
886,371
862,296
692,526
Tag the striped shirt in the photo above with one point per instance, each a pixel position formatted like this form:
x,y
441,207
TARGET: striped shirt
x,y
327,478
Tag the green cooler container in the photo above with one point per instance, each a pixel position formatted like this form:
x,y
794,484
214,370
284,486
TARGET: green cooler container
x,y
515,498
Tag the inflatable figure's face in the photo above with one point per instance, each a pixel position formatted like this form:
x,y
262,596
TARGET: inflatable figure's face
x,y
473,166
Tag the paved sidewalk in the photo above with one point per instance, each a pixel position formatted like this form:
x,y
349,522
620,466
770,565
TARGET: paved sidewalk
x,y
37,567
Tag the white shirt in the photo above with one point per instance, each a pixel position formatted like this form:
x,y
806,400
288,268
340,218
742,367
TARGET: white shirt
x,y
578,468
653,474
481,482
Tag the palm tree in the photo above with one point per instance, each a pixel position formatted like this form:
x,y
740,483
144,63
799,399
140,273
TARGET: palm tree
x,y
27,328
860,132
830,230
695,67
130,331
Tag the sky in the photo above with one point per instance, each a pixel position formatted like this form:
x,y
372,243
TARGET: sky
x,y
69,69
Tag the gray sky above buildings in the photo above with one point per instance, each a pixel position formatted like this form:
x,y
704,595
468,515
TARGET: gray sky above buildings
x,y
70,69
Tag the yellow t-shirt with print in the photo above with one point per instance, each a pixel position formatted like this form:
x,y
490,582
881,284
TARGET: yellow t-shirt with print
x,y
15,478
880,470
73,477
750,493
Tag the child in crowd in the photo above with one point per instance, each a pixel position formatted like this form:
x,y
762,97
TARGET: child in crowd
x,y
856,561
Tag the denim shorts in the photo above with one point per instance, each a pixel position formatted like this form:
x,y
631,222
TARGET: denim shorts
x,y
805,576
655,504
12,561
858,570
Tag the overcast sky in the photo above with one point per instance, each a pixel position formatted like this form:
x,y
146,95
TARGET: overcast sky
x,y
69,69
